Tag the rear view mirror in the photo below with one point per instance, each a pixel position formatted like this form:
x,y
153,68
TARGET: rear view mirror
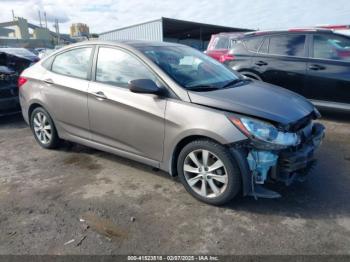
x,y
144,86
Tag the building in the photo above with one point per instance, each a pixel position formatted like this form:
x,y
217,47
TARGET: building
x,y
165,29
79,29
20,33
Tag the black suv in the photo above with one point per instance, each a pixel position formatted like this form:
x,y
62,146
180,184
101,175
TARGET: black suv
x,y
312,62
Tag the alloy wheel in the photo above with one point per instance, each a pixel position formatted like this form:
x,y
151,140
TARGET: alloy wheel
x,y
205,173
42,128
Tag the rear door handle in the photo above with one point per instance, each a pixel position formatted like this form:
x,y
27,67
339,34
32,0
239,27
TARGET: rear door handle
x,y
261,63
100,95
49,81
316,67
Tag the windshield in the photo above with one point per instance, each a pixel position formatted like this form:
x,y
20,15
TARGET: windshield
x,y
190,68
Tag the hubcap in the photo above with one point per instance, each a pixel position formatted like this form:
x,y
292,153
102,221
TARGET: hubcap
x,y
205,173
42,128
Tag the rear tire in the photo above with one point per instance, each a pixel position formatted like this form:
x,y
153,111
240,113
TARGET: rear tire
x,y
43,128
209,172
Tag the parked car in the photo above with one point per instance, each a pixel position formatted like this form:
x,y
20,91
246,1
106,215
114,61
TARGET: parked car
x,y
341,29
312,62
174,108
20,53
219,46
12,62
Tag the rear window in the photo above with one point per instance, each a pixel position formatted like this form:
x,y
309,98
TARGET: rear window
x,y
287,45
73,63
253,43
331,47
221,42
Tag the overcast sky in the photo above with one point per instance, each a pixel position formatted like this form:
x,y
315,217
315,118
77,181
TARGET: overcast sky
x,y
105,15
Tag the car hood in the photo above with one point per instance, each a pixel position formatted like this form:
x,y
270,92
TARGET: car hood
x,y
257,99
6,70
31,58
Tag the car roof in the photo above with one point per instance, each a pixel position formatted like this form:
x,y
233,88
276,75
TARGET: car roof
x,y
236,35
130,43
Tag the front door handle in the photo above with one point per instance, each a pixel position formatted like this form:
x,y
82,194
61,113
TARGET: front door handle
x,y
261,63
316,67
100,95
49,81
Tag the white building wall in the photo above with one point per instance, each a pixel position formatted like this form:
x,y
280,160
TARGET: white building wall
x,y
151,31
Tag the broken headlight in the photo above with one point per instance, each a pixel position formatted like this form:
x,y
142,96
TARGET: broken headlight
x,y
265,132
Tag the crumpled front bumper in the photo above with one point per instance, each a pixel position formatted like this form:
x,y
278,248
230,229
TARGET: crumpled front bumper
x,y
297,162
260,167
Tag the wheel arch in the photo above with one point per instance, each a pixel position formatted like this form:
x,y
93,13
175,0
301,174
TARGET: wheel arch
x,y
35,104
181,144
32,107
237,156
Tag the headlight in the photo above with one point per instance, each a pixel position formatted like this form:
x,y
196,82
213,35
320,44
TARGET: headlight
x,y
265,132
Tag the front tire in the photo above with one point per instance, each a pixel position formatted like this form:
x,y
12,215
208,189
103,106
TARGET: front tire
x,y
208,172
44,129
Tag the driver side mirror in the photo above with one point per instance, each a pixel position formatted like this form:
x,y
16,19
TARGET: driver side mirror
x,y
143,86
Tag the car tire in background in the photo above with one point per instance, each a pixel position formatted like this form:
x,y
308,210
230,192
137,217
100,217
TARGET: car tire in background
x,y
208,172
43,128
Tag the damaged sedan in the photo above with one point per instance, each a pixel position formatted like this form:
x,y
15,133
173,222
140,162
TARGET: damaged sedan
x,y
176,109
12,62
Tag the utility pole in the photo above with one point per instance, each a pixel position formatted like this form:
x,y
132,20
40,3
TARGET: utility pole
x,y
45,20
13,15
56,26
40,18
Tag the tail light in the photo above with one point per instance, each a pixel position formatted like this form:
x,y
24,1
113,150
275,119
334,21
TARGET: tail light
x,y
21,81
226,57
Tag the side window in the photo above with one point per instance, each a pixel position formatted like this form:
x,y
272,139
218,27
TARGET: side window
x,y
288,45
253,43
116,67
264,49
221,42
232,42
73,63
331,47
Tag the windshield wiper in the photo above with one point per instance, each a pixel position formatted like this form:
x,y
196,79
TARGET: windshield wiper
x,y
202,88
233,82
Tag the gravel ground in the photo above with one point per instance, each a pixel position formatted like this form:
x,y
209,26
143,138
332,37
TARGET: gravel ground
x,y
110,205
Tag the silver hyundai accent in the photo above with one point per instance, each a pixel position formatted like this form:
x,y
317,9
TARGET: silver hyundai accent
x,y
174,108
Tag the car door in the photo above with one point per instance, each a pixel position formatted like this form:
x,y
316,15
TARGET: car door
x,y
329,68
119,118
281,61
65,90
